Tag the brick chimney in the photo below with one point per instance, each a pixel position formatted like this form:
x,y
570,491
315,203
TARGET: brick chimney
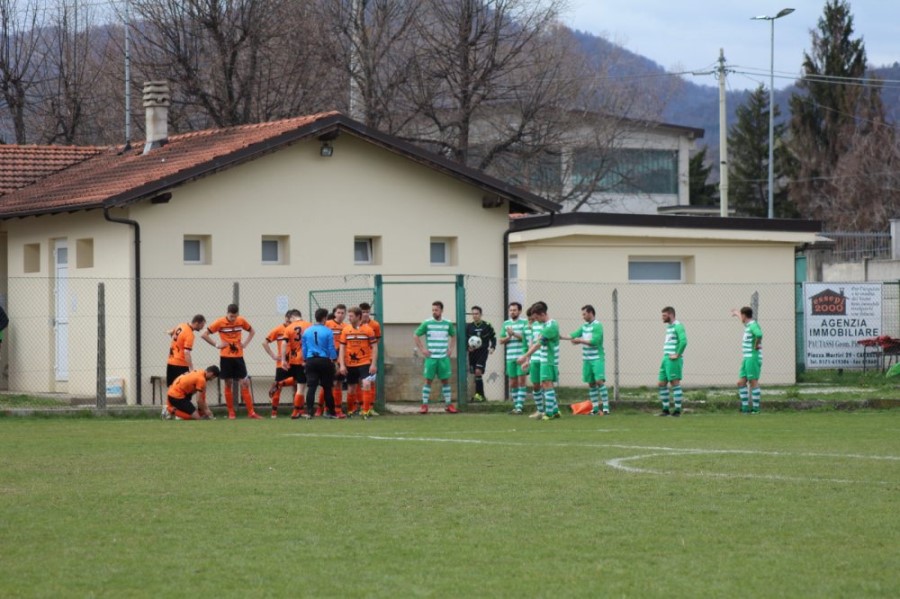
x,y
156,110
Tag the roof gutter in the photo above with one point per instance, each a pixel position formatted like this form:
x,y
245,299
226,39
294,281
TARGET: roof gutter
x,y
137,295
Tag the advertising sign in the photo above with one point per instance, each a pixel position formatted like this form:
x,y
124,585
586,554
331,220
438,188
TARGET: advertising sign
x,y
837,317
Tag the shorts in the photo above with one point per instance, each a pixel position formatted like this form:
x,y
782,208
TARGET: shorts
x,y
437,367
513,369
232,368
477,359
357,373
319,371
298,373
534,373
338,377
173,372
185,405
549,372
593,371
670,370
750,369
281,374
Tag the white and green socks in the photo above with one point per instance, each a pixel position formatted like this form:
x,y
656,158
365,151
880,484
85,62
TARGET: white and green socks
x,y
744,394
551,408
594,396
604,397
664,398
445,391
518,395
426,393
538,395
676,395
755,393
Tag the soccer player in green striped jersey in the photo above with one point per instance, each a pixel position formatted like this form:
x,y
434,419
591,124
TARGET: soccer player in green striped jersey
x,y
512,335
670,370
751,365
547,342
438,350
532,366
593,370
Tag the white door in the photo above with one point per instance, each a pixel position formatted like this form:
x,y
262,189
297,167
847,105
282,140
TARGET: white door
x,y
61,318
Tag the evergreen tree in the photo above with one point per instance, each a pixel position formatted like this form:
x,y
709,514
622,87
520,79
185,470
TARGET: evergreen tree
x,y
702,192
839,138
748,160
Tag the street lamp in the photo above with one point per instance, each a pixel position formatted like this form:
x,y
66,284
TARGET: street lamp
x,y
781,13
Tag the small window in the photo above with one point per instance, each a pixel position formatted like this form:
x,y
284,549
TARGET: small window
x,y
32,257
655,270
439,253
274,249
196,249
362,250
84,253
513,267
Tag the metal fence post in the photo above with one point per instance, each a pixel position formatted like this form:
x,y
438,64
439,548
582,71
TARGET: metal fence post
x,y
462,388
615,306
378,307
101,346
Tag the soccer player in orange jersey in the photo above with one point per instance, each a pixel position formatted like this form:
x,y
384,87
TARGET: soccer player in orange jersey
x,y
336,324
292,359
181,390
231,346
276,336
180,350
376,328
357,359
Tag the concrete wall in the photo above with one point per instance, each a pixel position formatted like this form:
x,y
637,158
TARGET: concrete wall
x,y
867,270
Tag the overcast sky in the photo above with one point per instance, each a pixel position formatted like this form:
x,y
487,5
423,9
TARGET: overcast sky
x,y
684,35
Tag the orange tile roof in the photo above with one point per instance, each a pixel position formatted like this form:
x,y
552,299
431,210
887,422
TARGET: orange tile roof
x,y
111,177
21,166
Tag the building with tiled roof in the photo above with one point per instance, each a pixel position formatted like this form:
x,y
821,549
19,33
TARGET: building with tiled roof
x,y
21,166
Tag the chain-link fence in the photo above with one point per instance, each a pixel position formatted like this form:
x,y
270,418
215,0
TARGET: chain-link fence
x,y
855,247
51,345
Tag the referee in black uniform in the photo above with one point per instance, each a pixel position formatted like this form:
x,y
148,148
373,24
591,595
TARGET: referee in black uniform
x,y
478,357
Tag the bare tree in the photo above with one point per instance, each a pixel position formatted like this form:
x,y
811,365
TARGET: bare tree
x,y
20,59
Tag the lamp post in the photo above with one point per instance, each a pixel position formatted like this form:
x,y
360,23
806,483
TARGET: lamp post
x,y
781,13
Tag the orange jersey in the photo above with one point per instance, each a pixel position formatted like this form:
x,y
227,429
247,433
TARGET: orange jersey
x,y
336,328
358,345
182,340
375,326
293,334
231,334
188,384
277,335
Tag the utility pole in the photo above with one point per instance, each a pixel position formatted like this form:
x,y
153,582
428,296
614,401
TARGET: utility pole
x,y
723,139
127,75
357,22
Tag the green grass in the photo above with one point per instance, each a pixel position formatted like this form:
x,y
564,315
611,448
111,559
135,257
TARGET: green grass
x,y
782,504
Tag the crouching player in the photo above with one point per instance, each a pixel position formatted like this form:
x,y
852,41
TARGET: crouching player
x,y
180,392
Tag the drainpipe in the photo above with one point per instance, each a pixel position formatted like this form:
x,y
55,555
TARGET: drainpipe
x,y
137,295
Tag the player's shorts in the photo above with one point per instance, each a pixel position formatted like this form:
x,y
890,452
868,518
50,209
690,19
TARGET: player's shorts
x,y
357,373
437,367
338,377
298,373
477,359
593,370
750,369
549,372
670,370
173,372
185,405
534,373
514,369
232,368
281,374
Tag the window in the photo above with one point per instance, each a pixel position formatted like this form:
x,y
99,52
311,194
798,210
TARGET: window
x,y
84,253
627,170
274,249
656,270
443,251
513,267
32,257
196,249
362,251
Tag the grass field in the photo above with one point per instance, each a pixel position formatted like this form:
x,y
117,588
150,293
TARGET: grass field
x,y
715,505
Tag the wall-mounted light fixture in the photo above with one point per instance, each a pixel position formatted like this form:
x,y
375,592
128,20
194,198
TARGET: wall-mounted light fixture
x,y
326,150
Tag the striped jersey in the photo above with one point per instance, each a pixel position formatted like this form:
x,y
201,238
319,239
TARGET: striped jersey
x,y
676,339
592,332
437,336
535,336
550,342
752,336
515,347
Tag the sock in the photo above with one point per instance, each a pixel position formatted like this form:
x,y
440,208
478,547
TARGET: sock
x,y
299,400
445,392
664,398
518,398
676,395
744,394
229,397
756,392
338,395
538,395
479,385
276,400
594,396
551,408
352,402
426,394
248,399
604,397
183,415
368,399
288,382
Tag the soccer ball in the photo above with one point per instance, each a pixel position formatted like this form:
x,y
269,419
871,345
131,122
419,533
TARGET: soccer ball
x,y
474,341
